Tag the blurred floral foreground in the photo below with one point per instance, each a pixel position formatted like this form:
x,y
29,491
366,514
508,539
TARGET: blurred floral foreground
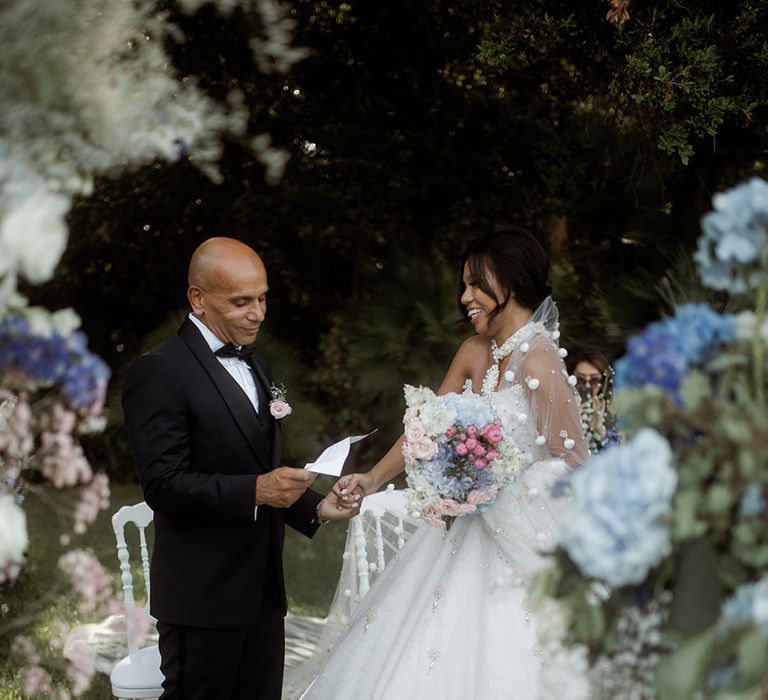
x,y
659,586
99,94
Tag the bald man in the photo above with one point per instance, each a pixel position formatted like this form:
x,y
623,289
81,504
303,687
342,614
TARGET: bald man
x,y
208,451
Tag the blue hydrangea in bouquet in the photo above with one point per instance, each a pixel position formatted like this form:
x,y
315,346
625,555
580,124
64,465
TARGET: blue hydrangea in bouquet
x,y
661,574
457,456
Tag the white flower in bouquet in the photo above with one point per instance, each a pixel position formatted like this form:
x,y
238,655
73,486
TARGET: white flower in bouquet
x,y
14,539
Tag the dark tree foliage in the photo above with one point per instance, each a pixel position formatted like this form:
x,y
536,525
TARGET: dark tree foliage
x,y
413,126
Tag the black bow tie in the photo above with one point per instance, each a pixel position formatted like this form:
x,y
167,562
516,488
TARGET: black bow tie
x,y
229,350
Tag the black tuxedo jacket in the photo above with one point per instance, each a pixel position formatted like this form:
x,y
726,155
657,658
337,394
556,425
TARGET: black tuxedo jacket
x,y
199,445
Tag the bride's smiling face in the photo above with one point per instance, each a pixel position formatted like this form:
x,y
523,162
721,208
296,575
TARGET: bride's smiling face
x,y
479,304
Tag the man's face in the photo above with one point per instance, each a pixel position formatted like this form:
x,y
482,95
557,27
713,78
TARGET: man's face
x,y
234,302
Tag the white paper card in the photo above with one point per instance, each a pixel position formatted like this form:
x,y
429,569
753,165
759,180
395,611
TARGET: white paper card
x,y
331,462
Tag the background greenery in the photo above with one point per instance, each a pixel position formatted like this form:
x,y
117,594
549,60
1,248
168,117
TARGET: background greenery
x,y
414,126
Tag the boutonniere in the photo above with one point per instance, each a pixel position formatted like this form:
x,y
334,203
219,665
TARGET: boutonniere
x,y
278,406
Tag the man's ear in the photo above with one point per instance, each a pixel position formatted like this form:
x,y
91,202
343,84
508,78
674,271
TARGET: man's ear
x,y
196,300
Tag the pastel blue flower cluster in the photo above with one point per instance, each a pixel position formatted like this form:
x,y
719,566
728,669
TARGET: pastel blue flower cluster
x,y
614,531
442,476
734,234
749,604
62,360
662,354
470,409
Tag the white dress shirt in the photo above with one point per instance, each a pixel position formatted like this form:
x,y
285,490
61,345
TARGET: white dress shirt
x,y
239,369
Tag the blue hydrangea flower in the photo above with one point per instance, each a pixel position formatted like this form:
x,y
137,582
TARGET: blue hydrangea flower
x,y
700,330
470,409
662,354
54,360
748,604
614,531
752,503
734,234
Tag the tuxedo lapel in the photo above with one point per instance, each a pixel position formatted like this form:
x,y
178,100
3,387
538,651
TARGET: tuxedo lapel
x,y
239,405
277,440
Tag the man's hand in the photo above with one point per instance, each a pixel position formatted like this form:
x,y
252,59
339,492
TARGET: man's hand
x,y
331,508
283,486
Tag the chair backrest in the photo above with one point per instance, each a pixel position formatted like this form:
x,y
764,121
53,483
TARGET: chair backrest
x,y
379,532
139,515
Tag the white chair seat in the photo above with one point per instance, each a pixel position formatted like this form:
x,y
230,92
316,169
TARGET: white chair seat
x,y
141,679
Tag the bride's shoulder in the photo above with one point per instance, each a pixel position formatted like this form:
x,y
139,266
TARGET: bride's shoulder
x,y
474,348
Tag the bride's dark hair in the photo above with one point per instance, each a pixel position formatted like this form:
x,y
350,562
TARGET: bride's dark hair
x,y
515,259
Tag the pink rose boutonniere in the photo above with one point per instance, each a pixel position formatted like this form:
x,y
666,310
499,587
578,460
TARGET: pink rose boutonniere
x,y
278,406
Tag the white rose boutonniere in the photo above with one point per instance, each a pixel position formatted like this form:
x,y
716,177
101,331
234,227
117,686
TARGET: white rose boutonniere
x,y
278,406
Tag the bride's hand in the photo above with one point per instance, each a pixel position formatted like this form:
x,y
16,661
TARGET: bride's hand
x,y
354,487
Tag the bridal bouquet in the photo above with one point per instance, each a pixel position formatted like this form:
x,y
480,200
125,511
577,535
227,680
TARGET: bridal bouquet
x,y
457,456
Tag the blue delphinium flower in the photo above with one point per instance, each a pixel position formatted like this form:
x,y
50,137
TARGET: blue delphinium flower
x,y
733,236
662,354
613,532
752,502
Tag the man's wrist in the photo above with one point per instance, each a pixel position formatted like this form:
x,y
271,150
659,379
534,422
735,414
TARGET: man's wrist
x,y
317,519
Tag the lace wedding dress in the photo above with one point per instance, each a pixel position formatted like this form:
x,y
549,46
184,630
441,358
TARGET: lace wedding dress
x,y
448,617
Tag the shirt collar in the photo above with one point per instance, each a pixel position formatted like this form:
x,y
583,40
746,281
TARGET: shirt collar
x,y
209,336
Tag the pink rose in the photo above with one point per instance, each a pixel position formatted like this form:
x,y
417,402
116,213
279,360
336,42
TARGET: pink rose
x,y
481,463
450,432
479,450
423,449
431,518
279,409
471,457
492,455
462,437
476,497
472,431
460,449
414,430
493,433
452,509
471,443
410,414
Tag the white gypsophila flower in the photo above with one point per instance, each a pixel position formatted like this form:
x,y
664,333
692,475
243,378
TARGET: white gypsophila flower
x,y
566,675
14,539
628,671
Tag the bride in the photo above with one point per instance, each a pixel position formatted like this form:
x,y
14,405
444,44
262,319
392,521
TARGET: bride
x,y
448,617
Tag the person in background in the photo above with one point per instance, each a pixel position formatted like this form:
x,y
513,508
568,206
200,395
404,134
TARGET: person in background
x,y
594,381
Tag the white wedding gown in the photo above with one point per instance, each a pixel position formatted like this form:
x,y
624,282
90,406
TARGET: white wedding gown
x,y
448,617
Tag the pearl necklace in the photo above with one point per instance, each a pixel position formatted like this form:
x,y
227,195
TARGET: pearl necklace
x,y
491,379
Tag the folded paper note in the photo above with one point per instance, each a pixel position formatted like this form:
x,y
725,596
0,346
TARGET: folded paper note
x,y
331,462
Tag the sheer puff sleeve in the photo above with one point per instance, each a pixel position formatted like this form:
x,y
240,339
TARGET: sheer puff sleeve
x,y
554,403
